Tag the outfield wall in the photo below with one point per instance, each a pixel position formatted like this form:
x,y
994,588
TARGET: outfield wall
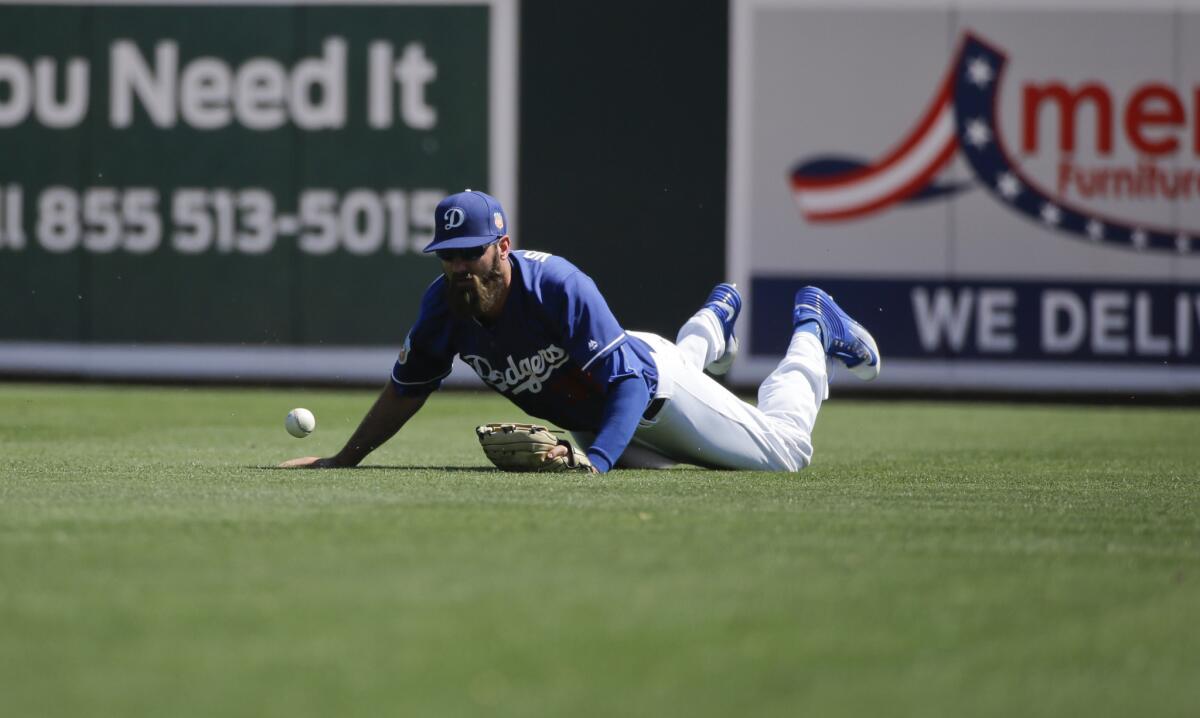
x,y
1008,194
240,191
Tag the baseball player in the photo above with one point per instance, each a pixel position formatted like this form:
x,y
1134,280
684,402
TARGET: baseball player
x,y
537,330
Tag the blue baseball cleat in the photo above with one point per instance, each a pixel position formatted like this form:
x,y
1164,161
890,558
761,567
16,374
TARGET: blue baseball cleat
x,y
725,301
845,339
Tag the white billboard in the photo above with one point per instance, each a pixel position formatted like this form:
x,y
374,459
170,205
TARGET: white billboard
x,y
1006,196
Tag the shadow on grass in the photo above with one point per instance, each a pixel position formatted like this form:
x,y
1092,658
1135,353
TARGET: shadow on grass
x,y
374,467
494,470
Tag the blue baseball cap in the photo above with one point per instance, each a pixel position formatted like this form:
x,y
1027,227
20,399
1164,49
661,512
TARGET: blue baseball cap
x,y
467,219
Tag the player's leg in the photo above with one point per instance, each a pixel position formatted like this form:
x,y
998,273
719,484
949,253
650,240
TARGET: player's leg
x,y
701,422
707,339
793,392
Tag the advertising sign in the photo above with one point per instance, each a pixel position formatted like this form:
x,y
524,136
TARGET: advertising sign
x,y
237,189
1007,198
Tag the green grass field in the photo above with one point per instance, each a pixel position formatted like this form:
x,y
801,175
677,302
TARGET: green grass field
x,y
936,560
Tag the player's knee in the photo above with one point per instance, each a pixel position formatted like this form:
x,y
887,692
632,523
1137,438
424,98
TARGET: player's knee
x,y
802,457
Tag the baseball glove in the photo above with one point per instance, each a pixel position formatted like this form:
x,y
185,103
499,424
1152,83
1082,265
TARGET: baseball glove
x,y
523,447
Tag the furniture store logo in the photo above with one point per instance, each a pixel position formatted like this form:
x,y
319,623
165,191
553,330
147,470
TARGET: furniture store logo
x,y
963,117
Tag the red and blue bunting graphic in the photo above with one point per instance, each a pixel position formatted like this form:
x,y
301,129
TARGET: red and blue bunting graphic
x,y
962,117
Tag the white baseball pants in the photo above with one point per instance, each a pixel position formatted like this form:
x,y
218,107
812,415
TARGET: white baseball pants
x,y
703,423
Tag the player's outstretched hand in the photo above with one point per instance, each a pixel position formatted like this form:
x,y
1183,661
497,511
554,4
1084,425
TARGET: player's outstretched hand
x,y
308,462
560,451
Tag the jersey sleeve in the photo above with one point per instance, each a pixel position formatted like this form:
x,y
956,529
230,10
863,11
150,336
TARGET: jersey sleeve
x,y
427,354
591,332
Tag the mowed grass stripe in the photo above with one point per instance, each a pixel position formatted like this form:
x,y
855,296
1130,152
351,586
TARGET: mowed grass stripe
x,y
936,559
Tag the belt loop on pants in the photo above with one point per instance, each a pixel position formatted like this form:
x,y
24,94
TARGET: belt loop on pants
x,y
653,408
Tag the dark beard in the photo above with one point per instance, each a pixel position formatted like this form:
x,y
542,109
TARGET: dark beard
x,y
480,296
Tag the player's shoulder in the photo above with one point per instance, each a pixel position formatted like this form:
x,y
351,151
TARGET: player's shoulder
x,y
543,270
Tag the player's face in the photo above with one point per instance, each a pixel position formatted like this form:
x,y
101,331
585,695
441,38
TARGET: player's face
x,y
473,287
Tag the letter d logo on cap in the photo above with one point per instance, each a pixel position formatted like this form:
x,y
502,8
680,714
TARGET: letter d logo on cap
x,y
454,217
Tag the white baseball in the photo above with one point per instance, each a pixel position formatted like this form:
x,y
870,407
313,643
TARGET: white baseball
x,y
300,423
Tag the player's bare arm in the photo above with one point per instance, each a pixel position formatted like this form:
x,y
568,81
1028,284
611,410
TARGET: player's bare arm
x,y
386,416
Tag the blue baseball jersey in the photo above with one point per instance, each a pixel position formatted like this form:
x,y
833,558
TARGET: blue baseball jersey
x,y
554,350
